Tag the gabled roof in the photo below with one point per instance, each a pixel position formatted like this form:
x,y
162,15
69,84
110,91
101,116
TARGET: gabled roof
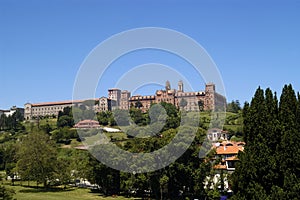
x,y
228,147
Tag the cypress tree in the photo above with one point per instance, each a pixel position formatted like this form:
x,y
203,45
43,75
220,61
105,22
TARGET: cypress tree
x,y
288,153
269,166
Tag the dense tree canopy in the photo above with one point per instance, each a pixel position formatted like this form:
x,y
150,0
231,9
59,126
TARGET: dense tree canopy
x,y
269,165
36,158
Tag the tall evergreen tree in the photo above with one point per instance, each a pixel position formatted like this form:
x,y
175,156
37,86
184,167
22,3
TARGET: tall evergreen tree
x,y
269,165
289,149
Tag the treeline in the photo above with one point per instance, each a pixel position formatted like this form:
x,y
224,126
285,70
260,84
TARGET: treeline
x,y
36,157
11,122
269,167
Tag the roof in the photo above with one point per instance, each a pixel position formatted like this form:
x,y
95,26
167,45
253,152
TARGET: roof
x,y
87,123
220,167
110,89
60,102
228,147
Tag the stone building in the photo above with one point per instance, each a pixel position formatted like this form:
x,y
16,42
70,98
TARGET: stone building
x,y
206,100
189,101
51,109
124,101
103,105
114,94
141,102
32,111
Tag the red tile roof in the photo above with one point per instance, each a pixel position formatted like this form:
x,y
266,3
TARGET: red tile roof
x,y
229,147
87,124
220,167
60,102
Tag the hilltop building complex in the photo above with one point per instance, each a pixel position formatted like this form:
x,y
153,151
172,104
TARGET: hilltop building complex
x,y
205,100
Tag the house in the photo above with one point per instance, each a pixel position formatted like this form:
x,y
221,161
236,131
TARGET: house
x,y
216,134
226,156
227,151
87,124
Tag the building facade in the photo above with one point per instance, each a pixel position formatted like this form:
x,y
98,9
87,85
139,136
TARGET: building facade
x,y
205,100
103,105
189,101
114,94
49,109
227,151
124,101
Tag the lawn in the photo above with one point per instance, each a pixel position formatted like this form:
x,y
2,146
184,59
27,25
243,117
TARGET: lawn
x,y
31,193
28,125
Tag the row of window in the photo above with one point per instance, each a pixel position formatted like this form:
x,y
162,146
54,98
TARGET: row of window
x,y
48,108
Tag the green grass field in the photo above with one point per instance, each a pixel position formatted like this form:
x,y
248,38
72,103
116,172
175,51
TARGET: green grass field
x,y
32,193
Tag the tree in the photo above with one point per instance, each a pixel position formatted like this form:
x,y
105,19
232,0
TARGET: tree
x,y
173,118
36,158
138,104
12,122
6,193
269,165
162,182
65,120
103,118
201,105
234,106
137,116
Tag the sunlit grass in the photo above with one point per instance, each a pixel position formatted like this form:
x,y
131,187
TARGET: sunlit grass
x,y
72,193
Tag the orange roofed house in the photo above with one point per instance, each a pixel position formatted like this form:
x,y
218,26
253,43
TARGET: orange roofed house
x,y
227,151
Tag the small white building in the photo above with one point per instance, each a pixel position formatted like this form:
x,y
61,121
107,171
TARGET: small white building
x,y
11,111
216,134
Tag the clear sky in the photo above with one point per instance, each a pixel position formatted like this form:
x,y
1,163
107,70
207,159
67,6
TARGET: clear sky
x,y
44,42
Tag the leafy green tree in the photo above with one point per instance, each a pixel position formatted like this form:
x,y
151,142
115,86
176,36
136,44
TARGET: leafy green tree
x,y
9,158
162,182
138,104
65,121
6,193
65,117
103,118
201,105
234,106
12,122
36,158
137,116
173,118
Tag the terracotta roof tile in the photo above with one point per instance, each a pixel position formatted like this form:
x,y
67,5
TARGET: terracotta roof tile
x,y
60,102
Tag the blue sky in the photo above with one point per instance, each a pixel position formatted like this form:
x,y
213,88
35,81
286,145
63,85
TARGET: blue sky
x,y
43,43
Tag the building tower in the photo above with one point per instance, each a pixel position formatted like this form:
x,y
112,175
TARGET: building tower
x,y
180,86
209,102
168,86
124,102
210,87
114,95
